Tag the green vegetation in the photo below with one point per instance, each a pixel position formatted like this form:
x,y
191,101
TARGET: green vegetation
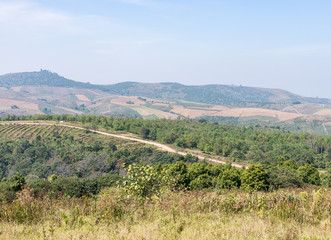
x,y
246,144
40,151
62,182
44,77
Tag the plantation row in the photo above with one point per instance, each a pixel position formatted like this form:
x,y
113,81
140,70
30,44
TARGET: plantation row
x,y
17,131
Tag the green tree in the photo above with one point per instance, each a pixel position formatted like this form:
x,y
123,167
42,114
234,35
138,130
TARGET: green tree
x,y
178,175
309,174
255,178
201,182
144,132
142,181
17,181
230,178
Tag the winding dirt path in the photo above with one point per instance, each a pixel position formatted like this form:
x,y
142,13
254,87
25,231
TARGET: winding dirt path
x,y
160,146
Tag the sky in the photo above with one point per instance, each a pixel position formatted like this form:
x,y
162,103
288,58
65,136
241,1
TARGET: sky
x,y
260,43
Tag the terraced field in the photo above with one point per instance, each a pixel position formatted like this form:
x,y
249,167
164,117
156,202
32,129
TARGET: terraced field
x,y
30,132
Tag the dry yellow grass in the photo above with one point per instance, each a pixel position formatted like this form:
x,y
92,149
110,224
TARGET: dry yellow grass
x,y
211,226
174,215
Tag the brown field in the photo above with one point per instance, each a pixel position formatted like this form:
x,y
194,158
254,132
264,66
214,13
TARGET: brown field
x,y
324,112
234,112
124,100
82,98
26,105
219,108
191,112
44,90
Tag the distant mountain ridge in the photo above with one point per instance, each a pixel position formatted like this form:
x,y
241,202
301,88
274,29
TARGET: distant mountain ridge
x,y
42,78
228,95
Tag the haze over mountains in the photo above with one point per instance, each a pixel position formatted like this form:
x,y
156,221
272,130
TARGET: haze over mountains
x,y
47,92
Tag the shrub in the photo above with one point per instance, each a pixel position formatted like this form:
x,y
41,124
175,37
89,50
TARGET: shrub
x,y
230,178
309,174
255,178
201,182
142,181
17,181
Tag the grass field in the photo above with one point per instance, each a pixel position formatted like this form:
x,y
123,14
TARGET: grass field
x,y
290,214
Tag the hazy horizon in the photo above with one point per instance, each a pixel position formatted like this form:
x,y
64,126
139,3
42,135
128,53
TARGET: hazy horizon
x,y
274,44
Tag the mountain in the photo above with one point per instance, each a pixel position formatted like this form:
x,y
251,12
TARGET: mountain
x,y
45,92
42,78
228,95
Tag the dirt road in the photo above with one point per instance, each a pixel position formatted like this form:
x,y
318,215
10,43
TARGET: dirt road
x,y
160,146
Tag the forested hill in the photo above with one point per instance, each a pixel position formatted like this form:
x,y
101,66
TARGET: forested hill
x,y
210,94
42,78
228,95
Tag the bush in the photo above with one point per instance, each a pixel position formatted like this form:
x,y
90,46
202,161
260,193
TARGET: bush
x,y
178,175
255,178
283,178
202,182
309,174
142,181
17,181
230,178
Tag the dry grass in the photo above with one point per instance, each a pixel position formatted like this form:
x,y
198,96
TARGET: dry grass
x,y
290,214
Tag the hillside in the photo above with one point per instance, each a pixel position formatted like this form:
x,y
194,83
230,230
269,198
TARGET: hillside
x,y
238,96
240,144
46,149
45,92
64,182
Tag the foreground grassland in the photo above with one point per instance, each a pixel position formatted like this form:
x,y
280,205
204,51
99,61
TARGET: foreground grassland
x,y
283,214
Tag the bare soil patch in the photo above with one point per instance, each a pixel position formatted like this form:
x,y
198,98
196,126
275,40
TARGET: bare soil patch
x,y
82,98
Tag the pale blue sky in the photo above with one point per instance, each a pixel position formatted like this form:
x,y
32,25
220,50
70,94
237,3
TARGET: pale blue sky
x,y
264,43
